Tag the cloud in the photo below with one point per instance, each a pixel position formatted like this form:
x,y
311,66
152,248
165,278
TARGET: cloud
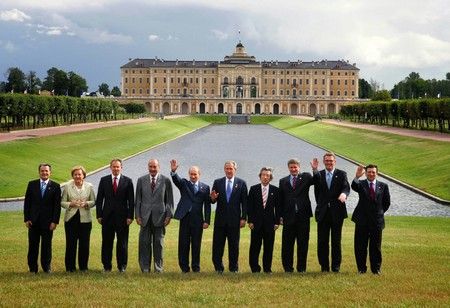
x,y
8,46
13,15
153,37
219,34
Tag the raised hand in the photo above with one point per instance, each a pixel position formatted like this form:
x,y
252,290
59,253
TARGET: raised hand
x,y
173,165
360,171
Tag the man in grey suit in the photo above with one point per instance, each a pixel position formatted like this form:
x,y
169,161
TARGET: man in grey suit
x,y
154,209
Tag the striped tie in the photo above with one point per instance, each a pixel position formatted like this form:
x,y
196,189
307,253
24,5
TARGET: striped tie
x,y
264,196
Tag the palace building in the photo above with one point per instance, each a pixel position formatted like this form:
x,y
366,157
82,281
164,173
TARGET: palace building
x,y
239,85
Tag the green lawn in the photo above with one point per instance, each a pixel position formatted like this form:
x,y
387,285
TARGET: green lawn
x,y
416,271
422,163
92,149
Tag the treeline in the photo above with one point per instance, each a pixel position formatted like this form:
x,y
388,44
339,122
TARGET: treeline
x,y
420,113
31,111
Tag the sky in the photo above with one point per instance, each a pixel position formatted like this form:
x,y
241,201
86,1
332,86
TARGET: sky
x,y
386,39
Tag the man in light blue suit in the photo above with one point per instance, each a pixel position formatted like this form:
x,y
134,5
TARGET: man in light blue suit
x,y
154,209
194,212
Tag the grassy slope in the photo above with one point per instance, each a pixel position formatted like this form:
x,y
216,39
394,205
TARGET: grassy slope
x,y
416,267
92,148
419,162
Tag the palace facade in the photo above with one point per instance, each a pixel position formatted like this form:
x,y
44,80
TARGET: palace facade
x,y
239,85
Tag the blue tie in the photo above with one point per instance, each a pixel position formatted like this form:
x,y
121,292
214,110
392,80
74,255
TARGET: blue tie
x,y
195,188
229,190
43,186
329,176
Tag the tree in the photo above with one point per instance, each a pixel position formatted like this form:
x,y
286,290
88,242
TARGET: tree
x,y
56,81
382,95
33,83
104,89
15,80
447,76
116,91
365,91
2,87
374,85
76,85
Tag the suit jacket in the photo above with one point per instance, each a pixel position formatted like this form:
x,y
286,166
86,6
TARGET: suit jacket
x,y
298,198
367,212
157,204
327,199
230,213
71,193
259,216
199,204
119,206
42,211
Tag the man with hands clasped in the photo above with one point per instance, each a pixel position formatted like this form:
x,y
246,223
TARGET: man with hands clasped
x,y
194,212
263,210
154,209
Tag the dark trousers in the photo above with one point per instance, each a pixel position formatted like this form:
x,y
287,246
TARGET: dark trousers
x,y
110,229
257,238
366,236
77,233
324,228
189,238
297,231
38,235
220,235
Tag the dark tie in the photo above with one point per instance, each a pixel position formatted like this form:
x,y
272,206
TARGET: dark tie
x,y
229,189
115,185
153,183
294,181
372,191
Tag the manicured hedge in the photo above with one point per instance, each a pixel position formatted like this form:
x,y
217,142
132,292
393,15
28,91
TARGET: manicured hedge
x,y
30,111
419,113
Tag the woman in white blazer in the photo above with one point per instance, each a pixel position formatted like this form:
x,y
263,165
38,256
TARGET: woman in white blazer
x,y
78,198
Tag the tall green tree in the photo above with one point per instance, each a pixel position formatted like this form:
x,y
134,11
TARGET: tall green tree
x,y
56,82
76,85
104,89
15,80
382,95
365,90
33,83
116,91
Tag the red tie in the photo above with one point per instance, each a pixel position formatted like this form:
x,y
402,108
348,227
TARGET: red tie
x,y
115,184
372,191
153,183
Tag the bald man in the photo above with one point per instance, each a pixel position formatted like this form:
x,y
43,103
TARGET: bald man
x,y
194,212
154,209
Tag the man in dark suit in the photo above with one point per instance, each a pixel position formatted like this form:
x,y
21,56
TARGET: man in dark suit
x,y
295,216
374,201
115,210
331,189
263,219
230,193
42,208
194,212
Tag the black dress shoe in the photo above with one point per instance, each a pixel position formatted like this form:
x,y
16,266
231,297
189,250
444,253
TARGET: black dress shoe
x,y
361,272
219,272
122,270
335,270
377,272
